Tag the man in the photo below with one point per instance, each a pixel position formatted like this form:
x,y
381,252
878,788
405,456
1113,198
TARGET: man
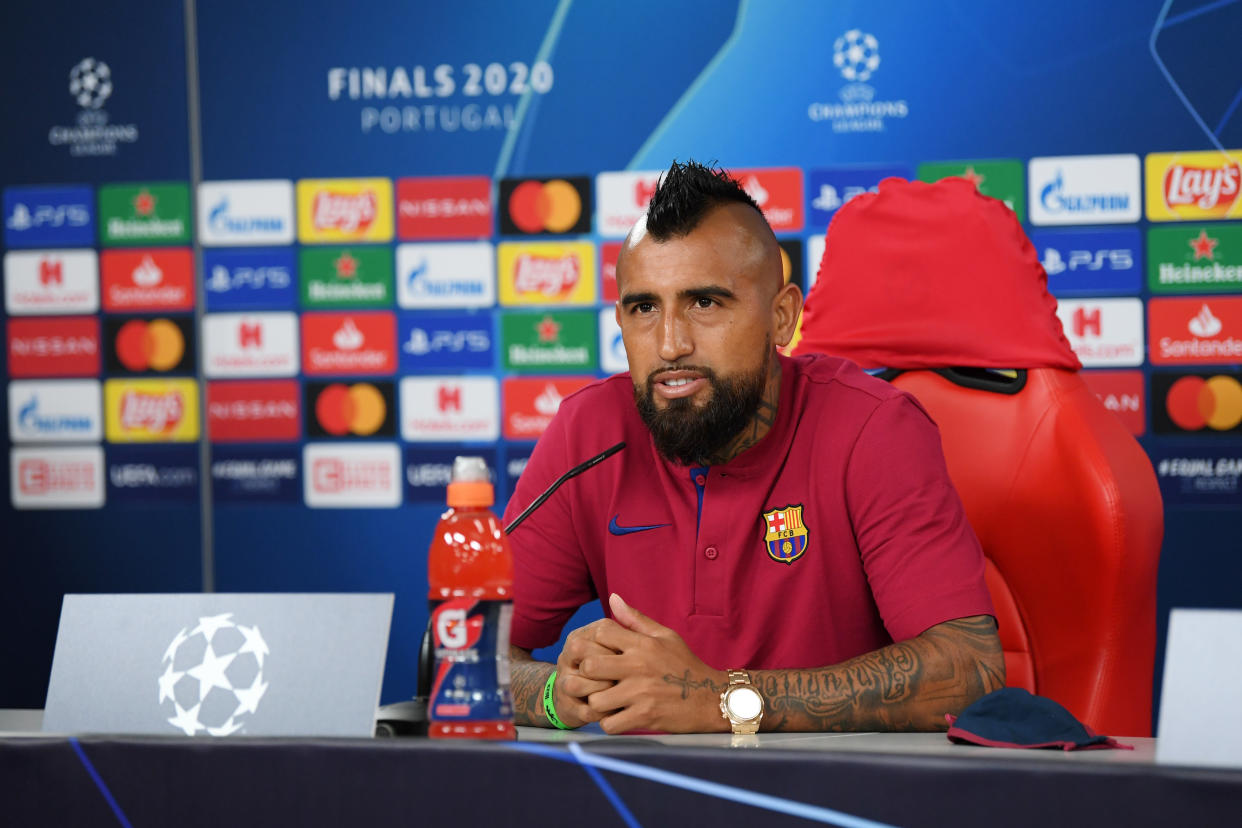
x,y
772,523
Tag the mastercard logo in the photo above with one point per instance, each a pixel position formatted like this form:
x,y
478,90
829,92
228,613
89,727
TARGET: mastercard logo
x,y
357,409
554,206
150,345
1194,403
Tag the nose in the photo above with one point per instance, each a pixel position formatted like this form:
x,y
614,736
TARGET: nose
x,y
675,340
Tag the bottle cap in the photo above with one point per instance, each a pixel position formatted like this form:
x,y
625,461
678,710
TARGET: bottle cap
x,y
471,485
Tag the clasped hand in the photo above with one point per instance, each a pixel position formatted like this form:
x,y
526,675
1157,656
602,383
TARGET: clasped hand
x,y
631,673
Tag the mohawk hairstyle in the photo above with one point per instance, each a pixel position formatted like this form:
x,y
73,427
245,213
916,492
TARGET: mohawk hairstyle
x,y
686,193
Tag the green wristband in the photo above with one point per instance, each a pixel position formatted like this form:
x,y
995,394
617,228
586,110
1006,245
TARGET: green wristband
x,y
549,709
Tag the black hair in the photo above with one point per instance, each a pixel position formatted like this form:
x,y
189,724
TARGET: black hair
x,y
686,193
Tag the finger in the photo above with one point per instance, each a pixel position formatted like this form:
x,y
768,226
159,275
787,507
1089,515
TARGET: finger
x,y
619,639
623,721
608,667
577,649
574,712
632,619
579,687
614,698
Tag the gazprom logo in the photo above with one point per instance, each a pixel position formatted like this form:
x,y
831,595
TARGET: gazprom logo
x,y
222,221
234,213
446,275
55,410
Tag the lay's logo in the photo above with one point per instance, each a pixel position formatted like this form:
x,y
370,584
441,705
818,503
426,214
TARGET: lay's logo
x,y
344,209
1192,186
547,273
143,411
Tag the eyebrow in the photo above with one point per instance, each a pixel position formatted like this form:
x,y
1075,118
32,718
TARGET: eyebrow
x,y
715,291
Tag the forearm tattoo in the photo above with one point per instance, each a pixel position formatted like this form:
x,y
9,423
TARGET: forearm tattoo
x,y
527,678
909,685
688,685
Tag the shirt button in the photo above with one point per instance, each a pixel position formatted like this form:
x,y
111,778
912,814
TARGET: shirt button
x,y
700,479
710,553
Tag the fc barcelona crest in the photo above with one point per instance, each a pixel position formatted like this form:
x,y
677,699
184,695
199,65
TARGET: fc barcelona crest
x,y
785,534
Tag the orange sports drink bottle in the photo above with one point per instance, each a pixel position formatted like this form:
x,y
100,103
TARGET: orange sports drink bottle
x,y
470,572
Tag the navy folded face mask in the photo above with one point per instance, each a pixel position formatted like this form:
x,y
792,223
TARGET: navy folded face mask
x,y
1013,718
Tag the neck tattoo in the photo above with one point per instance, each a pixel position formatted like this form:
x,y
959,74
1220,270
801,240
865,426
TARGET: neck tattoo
x,y
760,424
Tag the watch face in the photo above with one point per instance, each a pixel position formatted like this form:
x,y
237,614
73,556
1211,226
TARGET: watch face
x,y
745,703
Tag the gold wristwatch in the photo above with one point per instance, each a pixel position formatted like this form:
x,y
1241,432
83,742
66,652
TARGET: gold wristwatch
x,y
741,703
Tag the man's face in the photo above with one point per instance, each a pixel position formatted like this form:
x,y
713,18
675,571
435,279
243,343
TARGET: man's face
x,y
699,315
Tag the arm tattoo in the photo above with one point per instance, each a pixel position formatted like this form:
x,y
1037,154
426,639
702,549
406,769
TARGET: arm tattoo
x,y
909,685
688,684
527,678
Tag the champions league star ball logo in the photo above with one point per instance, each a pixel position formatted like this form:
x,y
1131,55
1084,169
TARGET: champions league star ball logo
x,y
90,83
213,676
857,55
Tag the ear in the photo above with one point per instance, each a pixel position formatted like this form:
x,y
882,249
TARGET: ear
x,y
786,306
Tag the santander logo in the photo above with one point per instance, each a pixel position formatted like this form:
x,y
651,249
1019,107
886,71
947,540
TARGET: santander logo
x,y
547,275
154,412
1204,324
148,273
548,401
347,213
348,337
1208,188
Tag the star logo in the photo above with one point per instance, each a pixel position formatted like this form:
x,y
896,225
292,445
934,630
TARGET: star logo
x,y
549,329
144,203
212,679
973,177
346,266
1204,246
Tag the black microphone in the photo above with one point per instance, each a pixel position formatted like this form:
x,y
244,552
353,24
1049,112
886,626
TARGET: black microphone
x,y
556,484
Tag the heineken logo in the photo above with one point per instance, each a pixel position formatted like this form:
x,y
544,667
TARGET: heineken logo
x,y
1195,258
541,341
340,277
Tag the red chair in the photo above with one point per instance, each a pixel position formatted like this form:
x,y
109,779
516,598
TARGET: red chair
x,y
918,278
1068,510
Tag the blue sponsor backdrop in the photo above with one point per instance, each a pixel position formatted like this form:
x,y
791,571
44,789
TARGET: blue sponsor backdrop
x,y
396,89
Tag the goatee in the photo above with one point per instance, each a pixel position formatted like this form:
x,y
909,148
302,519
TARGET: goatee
x,y
693,435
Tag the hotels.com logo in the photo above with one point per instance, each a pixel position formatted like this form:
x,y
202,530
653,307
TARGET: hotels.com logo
x,y
51,272
552,276
250,335
153,412
346,213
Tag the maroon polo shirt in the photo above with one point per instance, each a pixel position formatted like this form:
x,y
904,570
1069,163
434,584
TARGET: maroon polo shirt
x,y
838,533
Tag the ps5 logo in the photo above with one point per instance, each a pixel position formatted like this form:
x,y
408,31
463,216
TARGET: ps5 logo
x,y
422,342
1116,259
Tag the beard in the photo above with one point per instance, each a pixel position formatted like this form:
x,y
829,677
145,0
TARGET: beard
x,y
693,435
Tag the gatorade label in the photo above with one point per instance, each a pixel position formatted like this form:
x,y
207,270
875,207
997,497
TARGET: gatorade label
x,y
472,669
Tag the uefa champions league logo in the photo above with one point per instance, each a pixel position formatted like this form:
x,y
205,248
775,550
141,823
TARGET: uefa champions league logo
x,y
856,54
213,676
90,83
